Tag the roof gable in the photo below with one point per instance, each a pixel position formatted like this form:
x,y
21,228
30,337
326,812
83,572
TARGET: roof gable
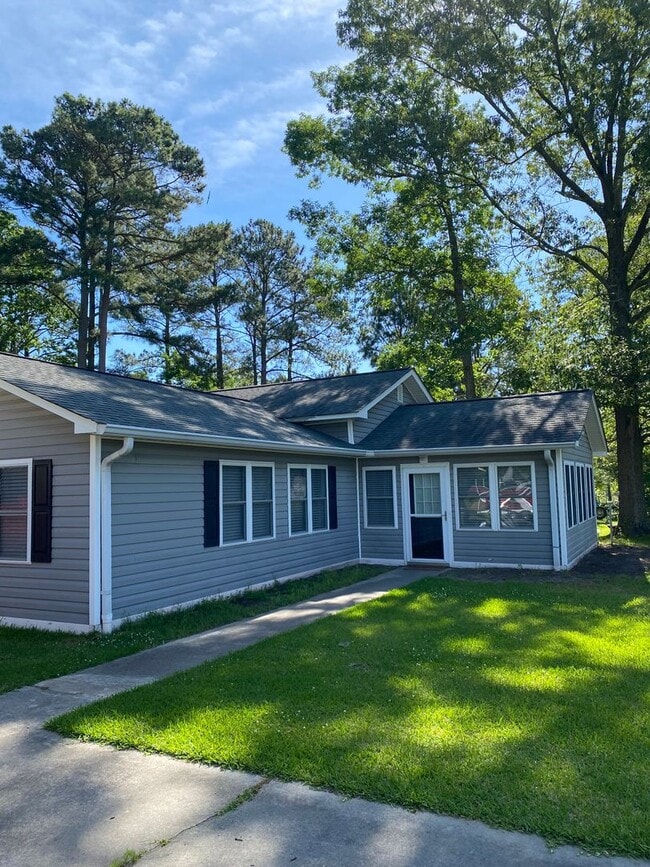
x,y
330,397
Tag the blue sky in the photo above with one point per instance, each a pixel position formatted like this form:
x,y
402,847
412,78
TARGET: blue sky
x,y
228,75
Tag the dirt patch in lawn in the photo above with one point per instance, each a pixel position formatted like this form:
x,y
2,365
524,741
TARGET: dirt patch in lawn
x,y
605,561
614,560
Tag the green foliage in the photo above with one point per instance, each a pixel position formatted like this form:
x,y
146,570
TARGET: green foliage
x,y
553,131
35,316
521,705
105,180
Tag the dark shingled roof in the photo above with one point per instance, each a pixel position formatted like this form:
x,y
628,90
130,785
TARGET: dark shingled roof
x,y
312,398
534,420
122,402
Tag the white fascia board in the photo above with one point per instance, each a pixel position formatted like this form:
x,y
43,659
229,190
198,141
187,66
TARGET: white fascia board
x,y
465,450
299,419
81,425
410,374
180,438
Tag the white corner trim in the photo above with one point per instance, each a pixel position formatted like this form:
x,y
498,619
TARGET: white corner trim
x,y
95,533
81,424
350,426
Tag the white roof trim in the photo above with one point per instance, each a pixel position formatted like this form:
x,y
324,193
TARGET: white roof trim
x,y
179,437
81,424
463,450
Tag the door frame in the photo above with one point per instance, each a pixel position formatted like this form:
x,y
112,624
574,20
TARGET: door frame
x,y
445,496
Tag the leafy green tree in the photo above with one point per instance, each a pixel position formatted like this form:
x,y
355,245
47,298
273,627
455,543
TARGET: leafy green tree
x,y
565,90
159,301
35,316
286,311
430,249
105,180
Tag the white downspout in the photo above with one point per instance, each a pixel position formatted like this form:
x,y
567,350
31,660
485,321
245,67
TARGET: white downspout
x,y
107,534
358,510
555,526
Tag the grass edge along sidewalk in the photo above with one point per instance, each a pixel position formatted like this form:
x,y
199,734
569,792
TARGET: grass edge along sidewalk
x,y
29,655
520,705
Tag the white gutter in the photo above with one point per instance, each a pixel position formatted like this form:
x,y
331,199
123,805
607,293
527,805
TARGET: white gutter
x,y
180,438
555,526
460,450
107,533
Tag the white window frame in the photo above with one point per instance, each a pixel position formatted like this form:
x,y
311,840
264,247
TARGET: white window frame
x,y
583,503
310,522
23,462
495,511
366,525
248,479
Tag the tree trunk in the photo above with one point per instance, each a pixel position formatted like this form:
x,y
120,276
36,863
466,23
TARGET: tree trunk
x,y
167,339
263,359
465,351
84,295
633,513
92,312
105,295
218,346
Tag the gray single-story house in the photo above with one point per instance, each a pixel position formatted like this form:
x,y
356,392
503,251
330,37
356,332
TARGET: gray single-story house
x,y
120,496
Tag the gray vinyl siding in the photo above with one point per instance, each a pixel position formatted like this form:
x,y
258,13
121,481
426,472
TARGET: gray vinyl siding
x,y
511,547
338,429
363,426
581,538
410,397
158,554
58,590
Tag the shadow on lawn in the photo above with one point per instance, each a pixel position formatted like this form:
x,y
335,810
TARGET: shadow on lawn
x,y
520,706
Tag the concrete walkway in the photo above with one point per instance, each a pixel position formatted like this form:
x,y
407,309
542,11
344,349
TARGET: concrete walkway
x,y
69,804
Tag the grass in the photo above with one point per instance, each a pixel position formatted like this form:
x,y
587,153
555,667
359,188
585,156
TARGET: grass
x,y
626,541
523,705
30,655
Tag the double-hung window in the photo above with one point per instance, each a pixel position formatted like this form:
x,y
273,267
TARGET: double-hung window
x,y
308,499
380,497
15,511
496,496
247,497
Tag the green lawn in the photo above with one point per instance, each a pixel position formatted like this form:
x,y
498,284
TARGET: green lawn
x,y
523,705
30,655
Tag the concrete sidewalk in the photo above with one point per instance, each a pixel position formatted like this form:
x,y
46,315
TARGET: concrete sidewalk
x,y
63,802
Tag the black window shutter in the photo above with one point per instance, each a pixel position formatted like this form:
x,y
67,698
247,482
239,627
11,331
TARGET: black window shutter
x,y
42,511
331,488
210,504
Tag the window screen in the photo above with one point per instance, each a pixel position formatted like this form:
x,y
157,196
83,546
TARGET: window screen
x,y
380,504
298,494
262,487
234,503
473,493
14,504
319,499
515,497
